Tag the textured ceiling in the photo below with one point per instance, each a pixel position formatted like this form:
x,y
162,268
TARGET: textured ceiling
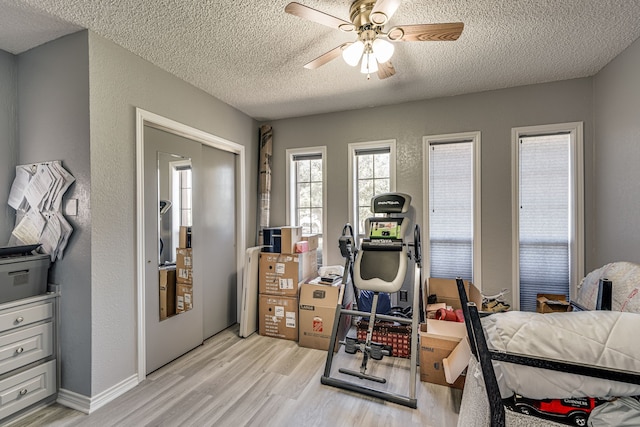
x,y
250,54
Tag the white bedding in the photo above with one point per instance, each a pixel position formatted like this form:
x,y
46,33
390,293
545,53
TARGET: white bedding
x,y
601,338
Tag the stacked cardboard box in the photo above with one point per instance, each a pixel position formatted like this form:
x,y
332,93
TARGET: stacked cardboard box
x,y
280,277
318,304
312,240
167,291
184,272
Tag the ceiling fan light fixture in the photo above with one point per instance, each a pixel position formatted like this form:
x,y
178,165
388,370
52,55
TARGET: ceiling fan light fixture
x,y
353,53
383,50
369,64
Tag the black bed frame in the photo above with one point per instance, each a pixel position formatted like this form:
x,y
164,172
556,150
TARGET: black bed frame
x,y
485,356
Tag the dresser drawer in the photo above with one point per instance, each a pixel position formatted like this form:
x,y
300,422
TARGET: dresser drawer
x,y
25,346
26,388
20,316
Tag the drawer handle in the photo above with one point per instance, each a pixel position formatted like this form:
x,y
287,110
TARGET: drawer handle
x,y
19,350
20,319
23,392
18,273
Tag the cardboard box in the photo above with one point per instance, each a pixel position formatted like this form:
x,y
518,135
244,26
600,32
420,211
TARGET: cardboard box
x,y
282,274
184,298
312,239
552,303
184,266
438,338
302,247
278,317
317,310
289,236
167,291
184,237
447,292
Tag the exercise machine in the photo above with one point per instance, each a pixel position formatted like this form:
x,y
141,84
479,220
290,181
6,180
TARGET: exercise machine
x,y
380,266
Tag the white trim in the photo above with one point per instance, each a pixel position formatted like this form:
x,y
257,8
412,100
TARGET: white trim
x,y
353,147
515,220
290,190
82,403
475,138
576,209
146,118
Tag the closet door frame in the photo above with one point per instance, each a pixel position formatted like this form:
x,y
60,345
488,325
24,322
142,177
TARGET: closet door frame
x,y
146,118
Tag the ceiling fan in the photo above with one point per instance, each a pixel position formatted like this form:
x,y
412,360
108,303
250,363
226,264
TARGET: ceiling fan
x,y
372,49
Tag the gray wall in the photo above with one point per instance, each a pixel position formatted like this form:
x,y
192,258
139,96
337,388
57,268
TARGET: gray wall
x,y
492,113
53,117
77,97
121,81
8,139
617,159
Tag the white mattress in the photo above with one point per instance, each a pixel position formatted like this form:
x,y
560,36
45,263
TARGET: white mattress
x,y
601,338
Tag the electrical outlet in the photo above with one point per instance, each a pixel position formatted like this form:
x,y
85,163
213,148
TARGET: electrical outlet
x,y
403,296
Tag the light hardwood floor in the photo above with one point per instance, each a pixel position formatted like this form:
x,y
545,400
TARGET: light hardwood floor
x,y
259,381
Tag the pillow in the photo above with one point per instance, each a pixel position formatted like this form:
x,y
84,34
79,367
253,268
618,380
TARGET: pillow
x,y
625,277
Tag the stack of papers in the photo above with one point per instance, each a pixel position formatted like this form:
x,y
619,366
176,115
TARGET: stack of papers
x,y
36,195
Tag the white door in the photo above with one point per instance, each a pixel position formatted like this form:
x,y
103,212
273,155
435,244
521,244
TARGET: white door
x,y
212,202
219,224
176,335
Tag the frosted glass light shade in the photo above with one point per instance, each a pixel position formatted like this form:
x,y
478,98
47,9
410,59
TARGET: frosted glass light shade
x,y
383,50
369,64
353,53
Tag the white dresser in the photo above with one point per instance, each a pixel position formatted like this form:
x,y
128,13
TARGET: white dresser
x,y
28,353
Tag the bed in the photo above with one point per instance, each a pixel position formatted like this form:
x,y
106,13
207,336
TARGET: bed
x,y
561,355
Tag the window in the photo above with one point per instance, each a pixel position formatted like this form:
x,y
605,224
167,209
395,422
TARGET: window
x,y
181,174
184,179
548,211
452,215
306,196
371,172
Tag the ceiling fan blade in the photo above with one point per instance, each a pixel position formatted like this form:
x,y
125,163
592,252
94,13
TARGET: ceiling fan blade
x,y
326,57
385,70
426,32
383,10
314,15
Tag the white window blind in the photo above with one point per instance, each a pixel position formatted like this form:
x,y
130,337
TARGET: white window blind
x,y
451,209
544,216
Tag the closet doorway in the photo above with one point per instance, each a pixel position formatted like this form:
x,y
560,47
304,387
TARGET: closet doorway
x,y
186,177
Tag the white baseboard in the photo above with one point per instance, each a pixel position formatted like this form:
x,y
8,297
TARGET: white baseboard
x,y
87,405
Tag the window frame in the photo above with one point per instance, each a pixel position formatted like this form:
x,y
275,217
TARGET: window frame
x,y
576,200
290,191
475,138
354,147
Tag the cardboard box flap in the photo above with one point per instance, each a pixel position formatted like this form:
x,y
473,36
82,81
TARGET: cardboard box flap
x,y
443,329
447,291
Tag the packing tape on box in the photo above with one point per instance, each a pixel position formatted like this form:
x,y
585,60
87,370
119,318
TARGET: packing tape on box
x,y
457,361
